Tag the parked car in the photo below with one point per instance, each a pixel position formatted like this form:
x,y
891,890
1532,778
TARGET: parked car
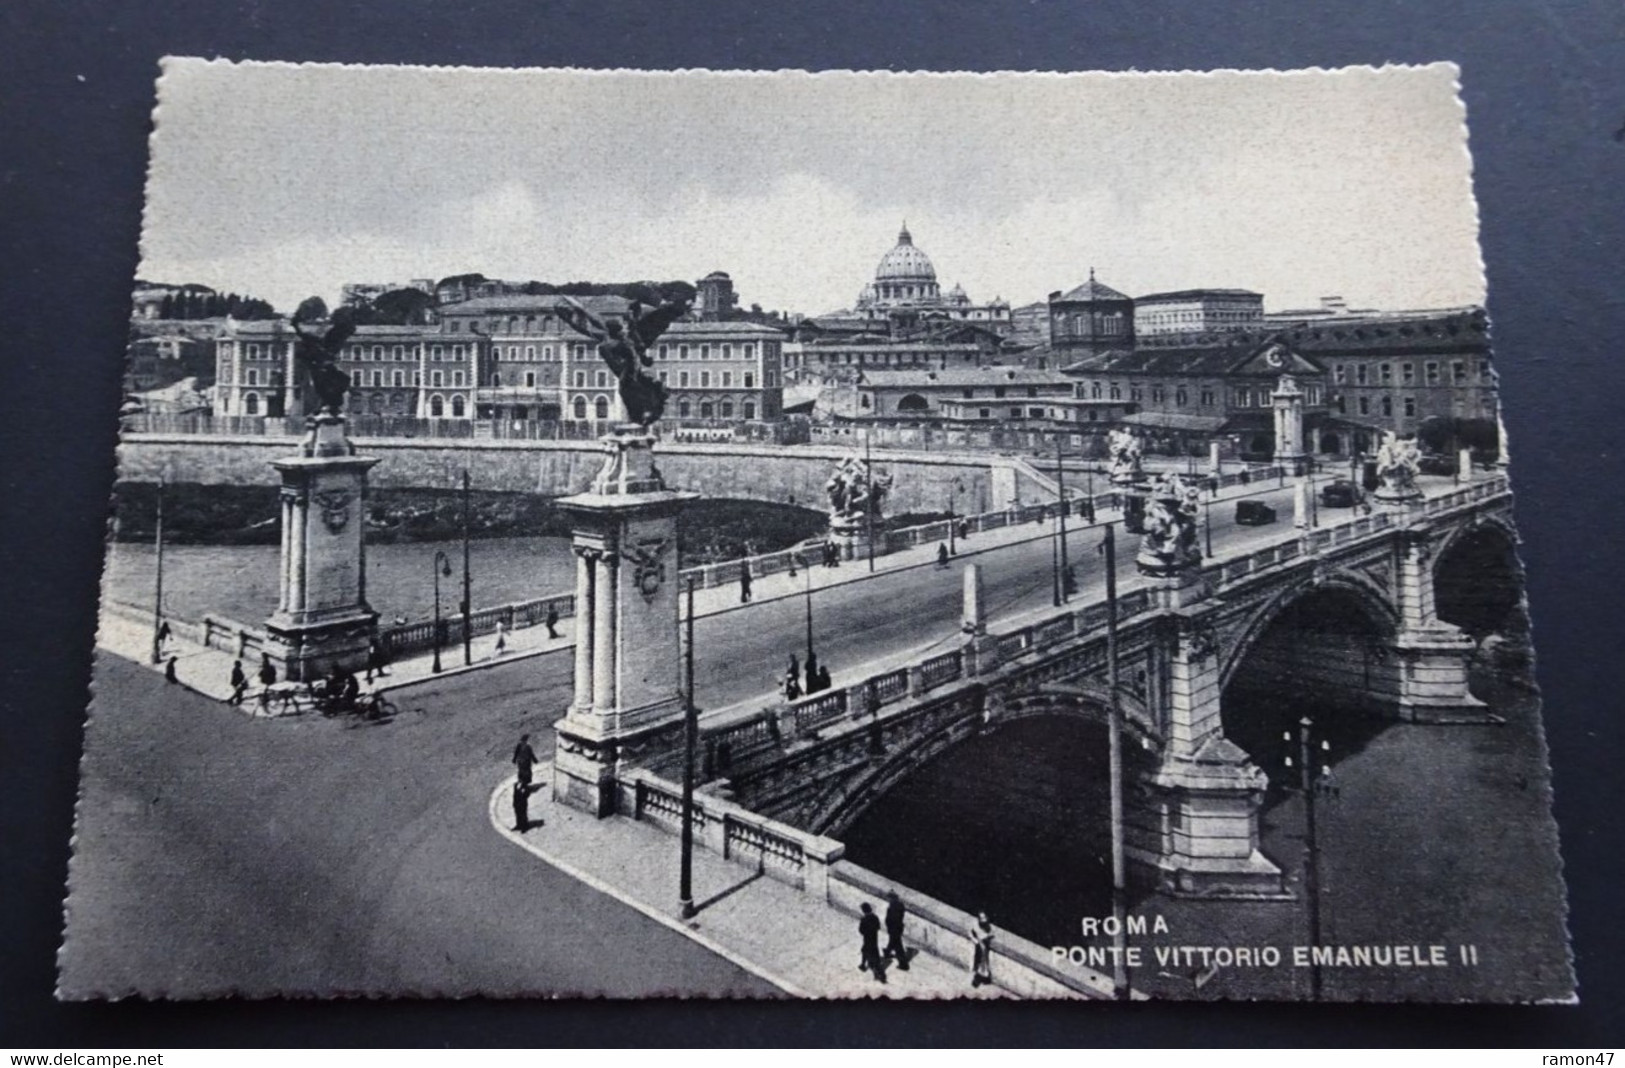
x,y
1341,494
1254,513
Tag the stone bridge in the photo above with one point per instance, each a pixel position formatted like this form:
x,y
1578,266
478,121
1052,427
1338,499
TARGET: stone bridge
x,y
1342,620
923,481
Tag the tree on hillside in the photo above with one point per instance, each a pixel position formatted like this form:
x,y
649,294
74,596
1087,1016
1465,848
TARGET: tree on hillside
x,y
401,307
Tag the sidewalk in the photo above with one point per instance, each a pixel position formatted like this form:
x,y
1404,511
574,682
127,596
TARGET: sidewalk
x,y
769,928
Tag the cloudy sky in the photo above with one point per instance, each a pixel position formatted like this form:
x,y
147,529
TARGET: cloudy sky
x,y
282,181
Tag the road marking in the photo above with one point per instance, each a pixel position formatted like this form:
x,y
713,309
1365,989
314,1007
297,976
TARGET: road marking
x,y
494,811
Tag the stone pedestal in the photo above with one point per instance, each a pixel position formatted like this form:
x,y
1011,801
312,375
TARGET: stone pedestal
x,y
322,620
1432,656
1288,404
1205,841
850,533
628,679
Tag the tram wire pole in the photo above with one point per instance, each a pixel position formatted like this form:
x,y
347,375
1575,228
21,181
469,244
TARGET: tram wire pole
x,y
468,610
1114,742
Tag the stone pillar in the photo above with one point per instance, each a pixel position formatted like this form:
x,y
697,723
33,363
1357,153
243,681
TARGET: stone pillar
x,y
1432,656
1464,465
1300,505
979,650
586,585
1214,467
628,676
1201,834
322,619
1288,403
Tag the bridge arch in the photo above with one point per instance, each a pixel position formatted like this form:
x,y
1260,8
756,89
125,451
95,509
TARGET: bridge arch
x,y
897,756
1478,579
1322,649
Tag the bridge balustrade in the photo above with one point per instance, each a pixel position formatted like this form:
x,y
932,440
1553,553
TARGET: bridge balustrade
x,y
890,686
946,667
811,712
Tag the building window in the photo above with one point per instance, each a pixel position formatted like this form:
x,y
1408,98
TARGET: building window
x,y
1432,367
1340,374
496,379
434,352
683,409
456,352
581,408
437,407
1207,398
378,378
530,352
1359,374
705,379
1385,374
530,380
457,378
1388,406
1244,398
727,379
252,376
581,381
663,373
1158,395
1458,372
601,408
399,352
458,406
727,409
1181,397
600,379
707,410
1365,405
437,378
750,381
682,352
770,379
378,353
1410,407
1407,373
682,379
251,404
547,352
747,350
1116,392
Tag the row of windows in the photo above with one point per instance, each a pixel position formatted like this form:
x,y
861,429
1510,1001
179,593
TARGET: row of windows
x,y
686,409
1407,373
1240,398
724,379
724,351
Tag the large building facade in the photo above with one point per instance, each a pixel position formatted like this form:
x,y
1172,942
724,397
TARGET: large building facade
x,y
507,359
905,292
1197,311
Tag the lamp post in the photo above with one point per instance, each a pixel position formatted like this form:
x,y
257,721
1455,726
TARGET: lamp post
x,y
1207,523
442,566
691,731
806,566
869,503
1060,486
468,628
1114,742
1314,784
953,518
158,582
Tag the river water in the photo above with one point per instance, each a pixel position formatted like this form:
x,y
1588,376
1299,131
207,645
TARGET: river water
x,y
240,581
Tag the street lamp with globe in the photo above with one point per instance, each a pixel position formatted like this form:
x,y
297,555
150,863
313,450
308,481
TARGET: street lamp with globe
x,y
442,567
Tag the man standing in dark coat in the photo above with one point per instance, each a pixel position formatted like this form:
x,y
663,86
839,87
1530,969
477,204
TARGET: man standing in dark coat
x,y
239,682
894,930
869,931
524,757
744,583
521,807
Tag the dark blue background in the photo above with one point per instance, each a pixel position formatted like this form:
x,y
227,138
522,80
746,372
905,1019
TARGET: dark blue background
x,y
1546,107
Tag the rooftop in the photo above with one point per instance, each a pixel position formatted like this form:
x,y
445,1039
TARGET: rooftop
x,y
1090,290
955,377
1196,294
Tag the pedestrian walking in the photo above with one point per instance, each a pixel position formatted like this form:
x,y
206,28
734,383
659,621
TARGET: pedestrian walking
x,y
895,912
524,757
375,659
793,558
981,945
552,620
502,639
744,583
811,673
792,686
942,556
521,807
267,671
795,665
823,677
169,669
964,529
164,634
239,682
869,959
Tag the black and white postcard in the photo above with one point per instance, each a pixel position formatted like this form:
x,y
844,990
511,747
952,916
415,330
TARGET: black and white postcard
x,y
736,534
